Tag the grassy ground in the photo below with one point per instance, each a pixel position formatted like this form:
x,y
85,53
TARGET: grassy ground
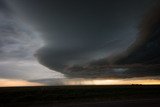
x,y
56,94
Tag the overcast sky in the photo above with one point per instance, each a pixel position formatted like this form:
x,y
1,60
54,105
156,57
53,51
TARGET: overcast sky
x,y
18,44
48,38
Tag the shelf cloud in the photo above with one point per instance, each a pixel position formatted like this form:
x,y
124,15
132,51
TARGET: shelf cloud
x,y
82,38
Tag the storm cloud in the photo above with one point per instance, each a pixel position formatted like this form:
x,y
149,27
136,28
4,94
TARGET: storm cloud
x,y
85,34
18,44
146,49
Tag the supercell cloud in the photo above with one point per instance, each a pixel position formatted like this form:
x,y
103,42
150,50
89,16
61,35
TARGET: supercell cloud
x,y
83,35
146,49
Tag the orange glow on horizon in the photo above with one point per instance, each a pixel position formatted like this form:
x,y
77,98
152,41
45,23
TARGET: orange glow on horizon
x,y
15,83
142,81
113,82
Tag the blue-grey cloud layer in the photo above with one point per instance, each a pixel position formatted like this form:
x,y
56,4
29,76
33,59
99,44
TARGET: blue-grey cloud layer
x,y
84,31
18,44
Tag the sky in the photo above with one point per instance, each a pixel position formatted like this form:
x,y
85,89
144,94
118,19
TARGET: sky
x,y
42,39
18,44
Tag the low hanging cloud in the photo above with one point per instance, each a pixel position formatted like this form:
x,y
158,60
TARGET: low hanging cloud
x,y
81,37
140,59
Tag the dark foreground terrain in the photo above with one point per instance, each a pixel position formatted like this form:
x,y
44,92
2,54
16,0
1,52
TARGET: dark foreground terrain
x,y
81,96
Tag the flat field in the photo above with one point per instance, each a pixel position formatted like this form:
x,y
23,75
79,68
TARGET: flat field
x,y
18,96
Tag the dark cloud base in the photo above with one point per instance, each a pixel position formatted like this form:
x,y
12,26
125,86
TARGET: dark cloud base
x,y
75,32
145,51
113,73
